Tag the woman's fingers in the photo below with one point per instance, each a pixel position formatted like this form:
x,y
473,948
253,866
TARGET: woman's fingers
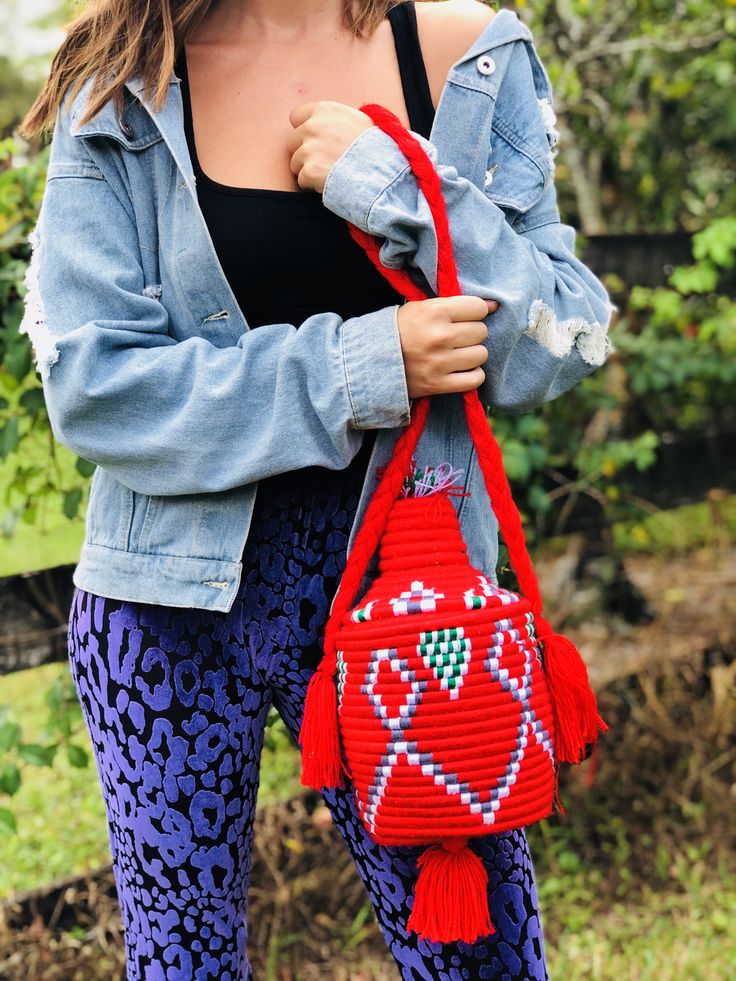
x,y
464,307
465,358
467,333
463,381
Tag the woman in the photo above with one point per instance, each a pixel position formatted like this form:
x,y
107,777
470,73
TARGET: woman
x,y
211,338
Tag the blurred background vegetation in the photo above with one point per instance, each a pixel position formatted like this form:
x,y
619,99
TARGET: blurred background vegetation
x,y
626,485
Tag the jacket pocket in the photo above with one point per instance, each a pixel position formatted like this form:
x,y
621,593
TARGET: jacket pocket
x,y
516,171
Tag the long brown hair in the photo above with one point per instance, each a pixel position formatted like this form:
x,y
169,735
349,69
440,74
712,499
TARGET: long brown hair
x,y
139,37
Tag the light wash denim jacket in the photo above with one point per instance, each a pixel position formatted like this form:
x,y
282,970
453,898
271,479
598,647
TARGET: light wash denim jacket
x,y
151,372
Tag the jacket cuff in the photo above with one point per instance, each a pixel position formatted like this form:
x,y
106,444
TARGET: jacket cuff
x,y
363,172
374,370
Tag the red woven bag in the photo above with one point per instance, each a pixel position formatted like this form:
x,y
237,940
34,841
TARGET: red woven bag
x,y
455,700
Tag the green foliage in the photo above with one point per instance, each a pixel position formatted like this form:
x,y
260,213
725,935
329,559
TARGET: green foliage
x,y
678,531
643,94
678,342
18,751
674,371
29,480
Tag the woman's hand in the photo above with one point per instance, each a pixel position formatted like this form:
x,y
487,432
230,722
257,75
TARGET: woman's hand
x,y
442,342
322,132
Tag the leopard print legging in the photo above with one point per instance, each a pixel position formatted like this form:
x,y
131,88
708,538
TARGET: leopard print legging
x,y
175,701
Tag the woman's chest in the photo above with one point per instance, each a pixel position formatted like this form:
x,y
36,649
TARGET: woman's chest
x,y
240,100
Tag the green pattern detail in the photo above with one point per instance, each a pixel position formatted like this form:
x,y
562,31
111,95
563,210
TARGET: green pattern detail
x,y
448,665
342,672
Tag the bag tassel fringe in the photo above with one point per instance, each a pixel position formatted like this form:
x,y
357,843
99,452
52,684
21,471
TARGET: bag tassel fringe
x,y
574,704
451,894
322,763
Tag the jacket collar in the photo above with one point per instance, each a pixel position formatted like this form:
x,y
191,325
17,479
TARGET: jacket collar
x,y
145,129
167,122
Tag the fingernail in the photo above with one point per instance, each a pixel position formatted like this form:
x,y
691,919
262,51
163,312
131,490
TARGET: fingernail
x,y
492,305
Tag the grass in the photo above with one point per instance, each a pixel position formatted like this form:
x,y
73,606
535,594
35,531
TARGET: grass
x,y
625,924
29,549
663,937
59,811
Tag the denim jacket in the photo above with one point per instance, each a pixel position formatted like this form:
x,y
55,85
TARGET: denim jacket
x,y
151,371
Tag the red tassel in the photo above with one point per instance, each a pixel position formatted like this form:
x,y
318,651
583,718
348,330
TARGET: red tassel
x,y
451,894
573,702
322,764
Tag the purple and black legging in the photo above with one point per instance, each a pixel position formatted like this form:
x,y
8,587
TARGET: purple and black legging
x,y
176,701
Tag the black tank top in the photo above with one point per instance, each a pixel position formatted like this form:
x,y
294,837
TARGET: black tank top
x,y
259,233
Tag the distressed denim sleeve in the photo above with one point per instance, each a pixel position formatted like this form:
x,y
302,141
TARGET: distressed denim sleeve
x,y
551,328
168,416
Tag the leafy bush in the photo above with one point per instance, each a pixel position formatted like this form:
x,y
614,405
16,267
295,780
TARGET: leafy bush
x,y
674,371
29,478
60,730
645,110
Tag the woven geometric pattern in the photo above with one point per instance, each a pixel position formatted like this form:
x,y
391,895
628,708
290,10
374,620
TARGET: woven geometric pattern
x,y
445,718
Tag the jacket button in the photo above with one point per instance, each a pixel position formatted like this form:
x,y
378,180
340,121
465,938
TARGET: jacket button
x,y
485,65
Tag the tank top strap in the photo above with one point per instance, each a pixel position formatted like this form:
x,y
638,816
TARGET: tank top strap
x,y
414,81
